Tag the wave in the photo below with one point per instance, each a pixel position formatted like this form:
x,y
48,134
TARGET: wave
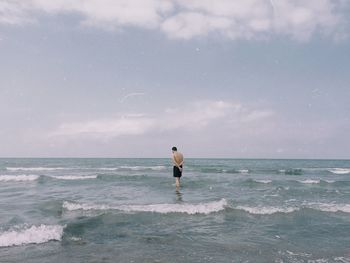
x,y
35,168
318,181
329,181
108,168
293,171
200,208
257,181
309,181
262,181
339,170
30,235
227,171
331,207
138,168
18,178
263,210
325,207
73,177
300,171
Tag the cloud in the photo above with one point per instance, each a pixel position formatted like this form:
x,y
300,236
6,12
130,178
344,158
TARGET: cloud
x,y
194,116
198,115
127,96
14,13
112,127
186,19
187,25
108,14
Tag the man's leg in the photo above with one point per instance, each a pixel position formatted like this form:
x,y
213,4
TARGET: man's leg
x,y
177,182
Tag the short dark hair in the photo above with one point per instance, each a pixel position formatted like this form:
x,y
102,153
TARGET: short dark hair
x,y
174,148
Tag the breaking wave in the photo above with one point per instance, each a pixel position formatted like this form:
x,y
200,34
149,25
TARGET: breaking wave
x,y
339,170
35,168
309,181
200,208
263,210
30,235
108,168
262,181
18,178
73,177
325,207
331,207
139,168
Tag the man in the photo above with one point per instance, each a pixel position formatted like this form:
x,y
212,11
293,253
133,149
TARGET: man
x,y
178,161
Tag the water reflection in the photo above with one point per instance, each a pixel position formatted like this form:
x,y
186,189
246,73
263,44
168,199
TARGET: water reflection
x,y
178,196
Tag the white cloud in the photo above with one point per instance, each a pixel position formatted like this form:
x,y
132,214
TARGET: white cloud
x,y
195,116
105,128
198,115
110,13
14,13
127,96
187,25
185,19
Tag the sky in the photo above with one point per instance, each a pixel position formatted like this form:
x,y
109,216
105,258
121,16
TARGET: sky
x,y
217,79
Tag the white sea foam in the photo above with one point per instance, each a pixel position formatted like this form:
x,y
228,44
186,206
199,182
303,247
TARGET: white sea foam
x,y
19,178
75,206
329,181
340,170
35,168
200,208
263,210
342,259
298,254
73,177
309,181
138,168
243,171
108,168
75,238
326,207
263,181
33,234
330,207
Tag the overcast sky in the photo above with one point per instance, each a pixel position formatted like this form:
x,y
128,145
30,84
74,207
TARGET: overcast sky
x,y
132,78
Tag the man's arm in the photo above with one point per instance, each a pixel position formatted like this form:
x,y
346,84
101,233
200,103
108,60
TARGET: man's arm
x,y
174,162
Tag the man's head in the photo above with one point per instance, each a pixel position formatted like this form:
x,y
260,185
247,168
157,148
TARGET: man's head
x,y
174,149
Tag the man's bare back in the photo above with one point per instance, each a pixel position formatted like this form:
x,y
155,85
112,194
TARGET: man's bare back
x,y
178,158
178,161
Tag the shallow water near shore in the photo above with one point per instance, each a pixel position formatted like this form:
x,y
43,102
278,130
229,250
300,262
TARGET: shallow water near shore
x,y
128,210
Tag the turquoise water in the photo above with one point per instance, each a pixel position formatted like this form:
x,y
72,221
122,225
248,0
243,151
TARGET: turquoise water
x,y
127,210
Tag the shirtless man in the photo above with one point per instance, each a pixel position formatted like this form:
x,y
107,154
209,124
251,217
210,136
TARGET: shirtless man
x,y
178,161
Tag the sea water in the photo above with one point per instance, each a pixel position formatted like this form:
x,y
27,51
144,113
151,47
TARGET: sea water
x,y
128,210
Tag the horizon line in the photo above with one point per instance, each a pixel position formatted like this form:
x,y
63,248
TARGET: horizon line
x,y
228,158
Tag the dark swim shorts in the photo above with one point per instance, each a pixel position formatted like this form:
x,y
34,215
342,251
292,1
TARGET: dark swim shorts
x,y
177,172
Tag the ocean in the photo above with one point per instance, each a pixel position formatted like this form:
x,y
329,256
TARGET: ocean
x,y
128,210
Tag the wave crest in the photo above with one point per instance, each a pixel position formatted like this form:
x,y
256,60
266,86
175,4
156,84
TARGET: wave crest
x,y
18,178
262,181
339,170
200,208
309,181
263,210
33,234
331,207
73,177
139,168
35,168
